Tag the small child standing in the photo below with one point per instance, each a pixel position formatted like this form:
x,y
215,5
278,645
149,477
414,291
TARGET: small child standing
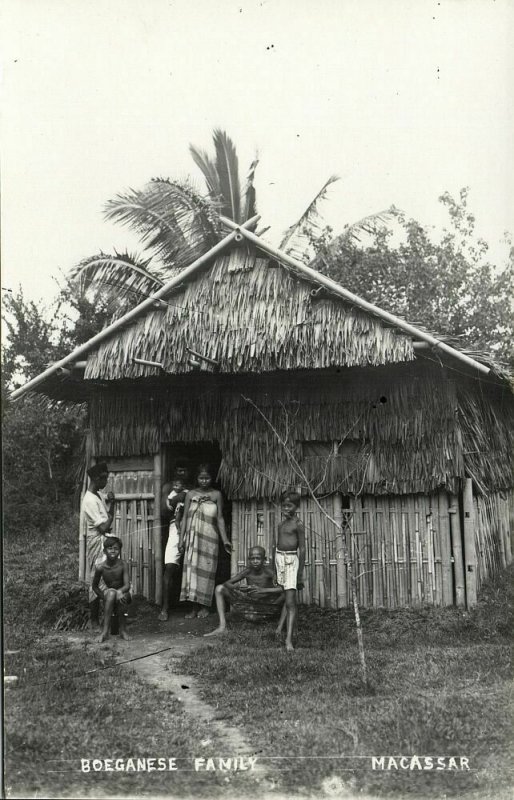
x,y
289,561
173,554
260,588
116,596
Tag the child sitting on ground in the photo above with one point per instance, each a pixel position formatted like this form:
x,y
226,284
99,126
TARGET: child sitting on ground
x,y
260,589
172,555
116,596
289,562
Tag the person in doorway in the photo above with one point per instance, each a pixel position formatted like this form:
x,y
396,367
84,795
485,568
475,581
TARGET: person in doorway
x,y
97,514
259,597
201,528
289,562
172,556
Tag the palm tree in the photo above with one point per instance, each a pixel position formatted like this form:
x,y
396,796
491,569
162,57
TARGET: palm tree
x,y
176,225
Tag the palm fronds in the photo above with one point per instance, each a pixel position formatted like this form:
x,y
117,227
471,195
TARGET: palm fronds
x,y
248,197
295,236
122,276
205,163
371,223
227,167
171,218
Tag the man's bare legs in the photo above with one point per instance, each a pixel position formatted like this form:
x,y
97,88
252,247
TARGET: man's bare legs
x,y
220,594
289,613
170,571
109,603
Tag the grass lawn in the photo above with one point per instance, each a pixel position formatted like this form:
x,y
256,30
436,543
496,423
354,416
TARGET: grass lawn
x,y
56,715
440,686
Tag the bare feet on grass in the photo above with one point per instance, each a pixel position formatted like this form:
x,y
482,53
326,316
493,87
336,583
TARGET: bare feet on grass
x,y
204,612
103,637
163,616
289,647
216,632
191,615
124,635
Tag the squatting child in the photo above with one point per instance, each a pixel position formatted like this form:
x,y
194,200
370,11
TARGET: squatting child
x,y
172,555
116,596
260,589
289,562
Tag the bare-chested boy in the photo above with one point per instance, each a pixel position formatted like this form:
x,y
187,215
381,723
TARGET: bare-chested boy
x,y
116,596
289,561
260,586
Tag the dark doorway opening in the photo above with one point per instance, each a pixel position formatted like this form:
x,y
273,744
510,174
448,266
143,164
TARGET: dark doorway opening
x,y
190,456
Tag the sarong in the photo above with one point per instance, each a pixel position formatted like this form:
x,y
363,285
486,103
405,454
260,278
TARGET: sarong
x,y
94,555
286,565
201,554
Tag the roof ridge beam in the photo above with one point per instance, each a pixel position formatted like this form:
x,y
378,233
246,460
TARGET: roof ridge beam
x,y
131,315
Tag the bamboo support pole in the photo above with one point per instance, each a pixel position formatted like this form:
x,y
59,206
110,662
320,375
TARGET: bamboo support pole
x,y
505,523
375,554
470,556
444,533
419,560
237,513
334,287
130,316
458,560
157,534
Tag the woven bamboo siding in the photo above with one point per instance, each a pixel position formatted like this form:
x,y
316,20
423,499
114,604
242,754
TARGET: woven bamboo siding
x,y
401,549
492,534
134,524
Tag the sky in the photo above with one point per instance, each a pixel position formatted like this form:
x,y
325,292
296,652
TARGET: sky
x,y
402,99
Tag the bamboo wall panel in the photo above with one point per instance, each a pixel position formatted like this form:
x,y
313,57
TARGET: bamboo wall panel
x,y
134,524
400,548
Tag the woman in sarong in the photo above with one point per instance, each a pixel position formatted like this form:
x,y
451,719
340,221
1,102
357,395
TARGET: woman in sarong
x,y
96,518
201,528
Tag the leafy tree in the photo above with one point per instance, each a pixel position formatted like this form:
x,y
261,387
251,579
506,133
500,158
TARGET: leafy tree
x,y
41,440
448,286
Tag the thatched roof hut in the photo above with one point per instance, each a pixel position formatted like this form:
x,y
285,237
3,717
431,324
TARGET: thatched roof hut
x,y
261,363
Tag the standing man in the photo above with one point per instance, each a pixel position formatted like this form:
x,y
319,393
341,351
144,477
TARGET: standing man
x,y
96,514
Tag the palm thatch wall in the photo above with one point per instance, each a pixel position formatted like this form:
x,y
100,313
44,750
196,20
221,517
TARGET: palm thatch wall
x,y
249,315
486,420
392,430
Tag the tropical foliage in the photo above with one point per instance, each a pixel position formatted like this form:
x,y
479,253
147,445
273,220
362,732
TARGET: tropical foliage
x,y
41,441
449,286
176,224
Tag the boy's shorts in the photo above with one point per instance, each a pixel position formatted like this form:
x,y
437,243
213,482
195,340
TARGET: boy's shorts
x,y
286,565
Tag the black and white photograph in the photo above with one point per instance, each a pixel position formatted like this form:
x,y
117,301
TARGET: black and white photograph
x,y
257,399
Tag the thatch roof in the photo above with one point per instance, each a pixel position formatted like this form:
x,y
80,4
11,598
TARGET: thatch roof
x,y
248,315
245,314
